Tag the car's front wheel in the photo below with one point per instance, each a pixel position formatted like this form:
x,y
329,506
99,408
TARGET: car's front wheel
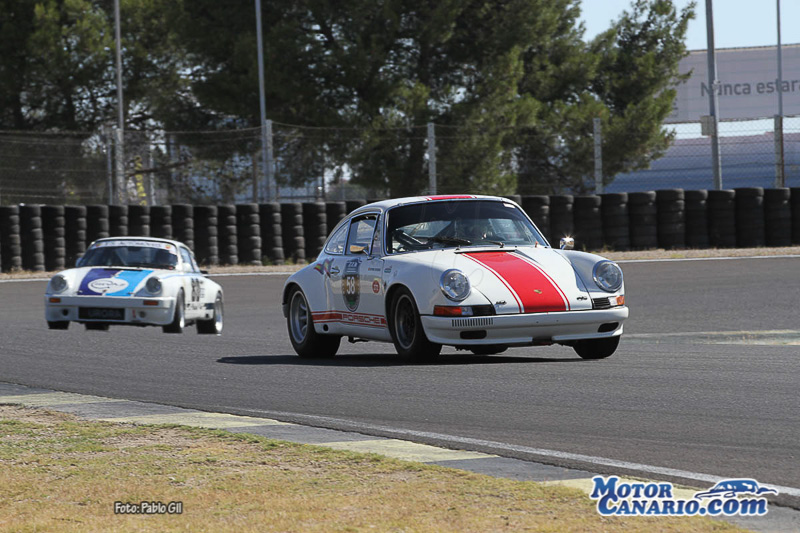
x,y
214,325
596,348
305,340
408,335
178,318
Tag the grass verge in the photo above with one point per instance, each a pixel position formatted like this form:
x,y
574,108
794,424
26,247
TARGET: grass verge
x,y
60,473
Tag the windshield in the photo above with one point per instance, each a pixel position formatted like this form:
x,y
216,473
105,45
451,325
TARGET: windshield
x,y
147,254
430,225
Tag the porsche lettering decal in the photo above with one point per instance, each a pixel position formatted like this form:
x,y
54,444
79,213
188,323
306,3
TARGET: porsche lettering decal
x,y
358,319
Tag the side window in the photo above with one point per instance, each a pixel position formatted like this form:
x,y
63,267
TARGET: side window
x,y
360,236
188,264
336,242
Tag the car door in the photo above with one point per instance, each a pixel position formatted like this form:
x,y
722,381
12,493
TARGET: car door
x,y
193,285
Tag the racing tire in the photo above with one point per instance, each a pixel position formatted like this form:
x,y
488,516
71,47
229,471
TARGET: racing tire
x,y
406,329
61,324
596,348
95,326
213,326
179,318
489,349
305,340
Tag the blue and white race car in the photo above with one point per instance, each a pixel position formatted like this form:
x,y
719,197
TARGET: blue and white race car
x,y
137,281
467,271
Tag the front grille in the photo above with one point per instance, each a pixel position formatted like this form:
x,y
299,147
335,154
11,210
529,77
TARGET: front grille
x,y
472,322
600,303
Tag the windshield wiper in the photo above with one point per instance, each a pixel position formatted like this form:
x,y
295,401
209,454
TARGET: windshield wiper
x,y
449,240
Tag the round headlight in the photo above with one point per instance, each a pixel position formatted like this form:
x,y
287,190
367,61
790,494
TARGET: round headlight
x,y
153,285
58,283
454,285
608,276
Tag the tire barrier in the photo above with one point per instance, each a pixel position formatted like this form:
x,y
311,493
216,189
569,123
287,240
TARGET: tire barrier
x,y
227,233
538,208
183,224
671,216
750,217
118,220
10,243
777,217
75,233
334,212
97,226
294,242
561,223
722,218
516,198
161,221
248,222
54,228
616,224
588,223
352,205
794,202
643,220
315,228
139,220
696,218
271,232
206,243
32,237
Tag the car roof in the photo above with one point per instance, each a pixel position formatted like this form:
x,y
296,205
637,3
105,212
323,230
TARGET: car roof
x,y
383,205
135,238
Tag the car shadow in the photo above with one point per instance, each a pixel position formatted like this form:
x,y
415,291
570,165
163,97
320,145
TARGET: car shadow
x,y
380,359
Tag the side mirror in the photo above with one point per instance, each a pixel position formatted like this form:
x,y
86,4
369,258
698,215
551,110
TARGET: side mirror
x,y
358,249
567,243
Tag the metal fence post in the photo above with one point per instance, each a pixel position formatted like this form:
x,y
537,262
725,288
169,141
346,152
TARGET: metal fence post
x,y
598,156
271,184
119,159
780,178
431,158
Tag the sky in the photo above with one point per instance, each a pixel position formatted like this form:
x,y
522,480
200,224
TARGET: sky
x,y
737,23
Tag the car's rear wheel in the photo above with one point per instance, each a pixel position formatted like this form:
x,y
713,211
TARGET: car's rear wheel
x,y
596,348
179,317
96,326
61,324
407,332
214,325
305,340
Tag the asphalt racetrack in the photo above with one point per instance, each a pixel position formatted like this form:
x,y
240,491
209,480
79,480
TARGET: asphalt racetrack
x,y
705,379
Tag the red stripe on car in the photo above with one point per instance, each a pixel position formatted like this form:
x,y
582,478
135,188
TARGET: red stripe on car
x,y
535,291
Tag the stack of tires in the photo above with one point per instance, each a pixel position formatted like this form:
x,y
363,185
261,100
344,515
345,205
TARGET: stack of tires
x,y
777,217
352,205
183,224
32,236
97,226
696,218
671,208
722,219
118,220
271,232
75,233
10,243
315,228
206,244
249,234
161,221
643,219
516,198
750,217
228,235
334,213
294,242
538,209
614,212
54,226
588,223
794,202
561,219
139,220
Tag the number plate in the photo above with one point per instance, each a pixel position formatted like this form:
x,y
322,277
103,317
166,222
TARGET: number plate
x,y
101,313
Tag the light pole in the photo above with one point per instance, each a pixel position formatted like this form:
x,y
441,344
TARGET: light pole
x,y
265,161
119,156
780,176
713,83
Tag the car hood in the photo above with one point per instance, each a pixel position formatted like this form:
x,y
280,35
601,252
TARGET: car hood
x,y
520,280
108,281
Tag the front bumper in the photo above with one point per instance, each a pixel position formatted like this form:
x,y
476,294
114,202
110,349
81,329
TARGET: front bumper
x,y
525,329
135,311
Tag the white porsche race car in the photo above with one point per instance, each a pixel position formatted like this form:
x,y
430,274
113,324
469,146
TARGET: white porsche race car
x,y
467,271
137,281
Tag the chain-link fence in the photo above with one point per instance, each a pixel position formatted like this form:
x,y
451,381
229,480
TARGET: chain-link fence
x,y
313,164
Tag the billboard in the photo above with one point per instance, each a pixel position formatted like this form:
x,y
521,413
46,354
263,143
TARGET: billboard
x,y
748,84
